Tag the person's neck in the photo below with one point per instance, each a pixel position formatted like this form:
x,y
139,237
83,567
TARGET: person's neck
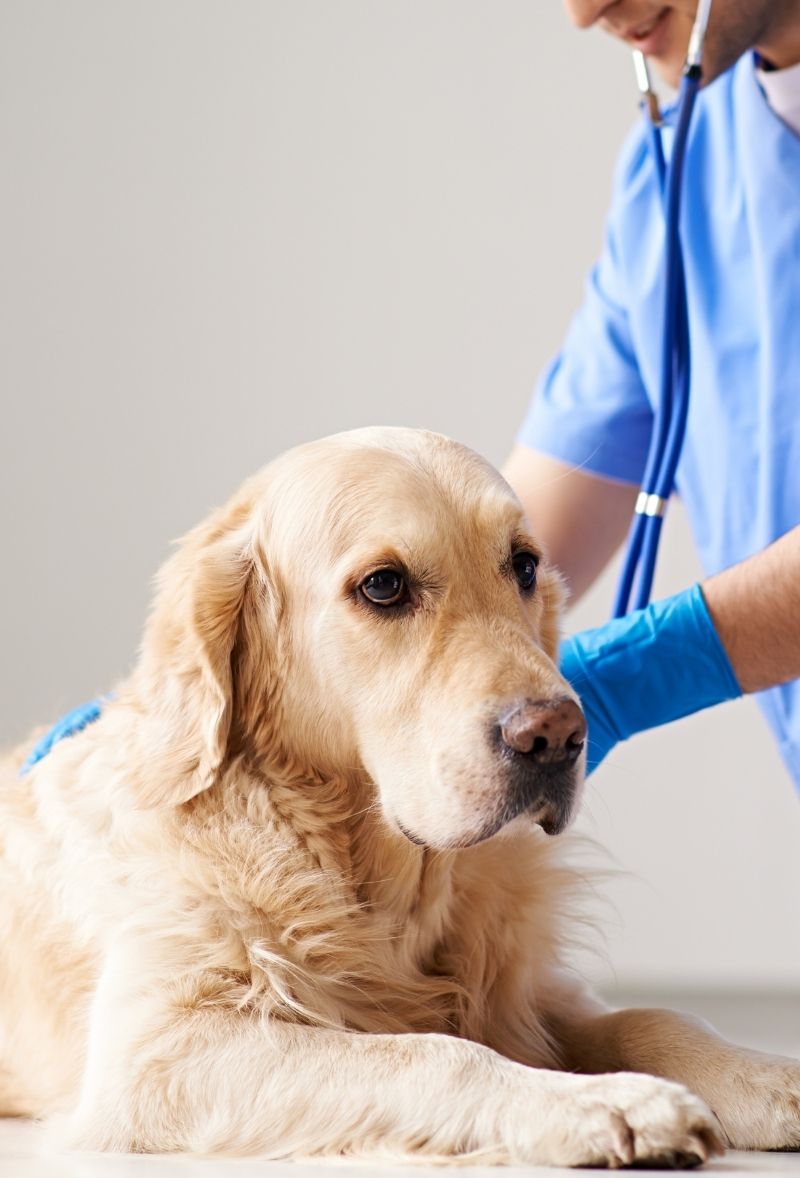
x,y
781,46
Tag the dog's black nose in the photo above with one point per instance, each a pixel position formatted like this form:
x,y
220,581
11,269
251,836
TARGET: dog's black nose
x,y
546,732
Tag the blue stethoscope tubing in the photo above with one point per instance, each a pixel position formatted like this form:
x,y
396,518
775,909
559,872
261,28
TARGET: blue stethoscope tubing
x,y
669,426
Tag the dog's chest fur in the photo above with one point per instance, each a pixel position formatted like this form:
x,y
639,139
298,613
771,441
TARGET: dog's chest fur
x,y
338,921
295,904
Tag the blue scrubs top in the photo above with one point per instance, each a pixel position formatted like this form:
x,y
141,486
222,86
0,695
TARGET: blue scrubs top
x,y
739,474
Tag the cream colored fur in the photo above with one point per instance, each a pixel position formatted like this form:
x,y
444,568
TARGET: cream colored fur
x,y
214,935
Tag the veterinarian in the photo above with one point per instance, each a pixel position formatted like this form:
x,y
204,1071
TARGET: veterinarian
x,y
581,451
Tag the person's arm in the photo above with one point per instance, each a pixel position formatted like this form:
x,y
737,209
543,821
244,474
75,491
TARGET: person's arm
x,y
580,518
737,632
755,607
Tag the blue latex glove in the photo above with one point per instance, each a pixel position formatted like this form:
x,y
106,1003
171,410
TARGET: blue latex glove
x,y
648,668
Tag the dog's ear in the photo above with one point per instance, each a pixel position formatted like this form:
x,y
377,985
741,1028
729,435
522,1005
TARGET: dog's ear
x,y
183,682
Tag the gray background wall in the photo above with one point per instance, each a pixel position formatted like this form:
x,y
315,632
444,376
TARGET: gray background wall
x,y
229,227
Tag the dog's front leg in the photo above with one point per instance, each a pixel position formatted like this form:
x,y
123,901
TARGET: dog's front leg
x,y
756,1097
221,1081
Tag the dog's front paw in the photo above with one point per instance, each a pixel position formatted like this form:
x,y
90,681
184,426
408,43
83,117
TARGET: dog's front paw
x,y
627,1119
758,1105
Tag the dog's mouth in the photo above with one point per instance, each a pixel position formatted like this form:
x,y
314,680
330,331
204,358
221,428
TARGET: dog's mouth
x,y
552,815
553,819
409,834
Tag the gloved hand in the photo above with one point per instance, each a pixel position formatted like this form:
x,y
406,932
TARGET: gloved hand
x,y
648,668
74,721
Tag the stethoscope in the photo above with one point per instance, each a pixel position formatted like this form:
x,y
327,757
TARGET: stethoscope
x,y
669,426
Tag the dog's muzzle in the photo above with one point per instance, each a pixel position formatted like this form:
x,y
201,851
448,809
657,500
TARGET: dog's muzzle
x,y
540,742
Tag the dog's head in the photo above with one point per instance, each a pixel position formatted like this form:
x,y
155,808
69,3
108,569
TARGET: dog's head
x,y
371,602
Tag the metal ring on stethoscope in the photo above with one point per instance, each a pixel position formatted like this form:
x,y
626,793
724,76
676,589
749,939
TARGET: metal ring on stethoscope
x,y
650,504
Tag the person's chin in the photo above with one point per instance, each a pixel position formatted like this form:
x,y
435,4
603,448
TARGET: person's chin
x,y
666,45
717,58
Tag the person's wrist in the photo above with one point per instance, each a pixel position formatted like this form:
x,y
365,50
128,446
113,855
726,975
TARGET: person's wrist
x,y
649,668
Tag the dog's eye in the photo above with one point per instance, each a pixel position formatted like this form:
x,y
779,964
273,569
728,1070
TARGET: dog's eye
x,y
385,587
524,566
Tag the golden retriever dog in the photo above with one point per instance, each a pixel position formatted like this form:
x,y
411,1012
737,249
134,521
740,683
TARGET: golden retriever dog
x,y
300,892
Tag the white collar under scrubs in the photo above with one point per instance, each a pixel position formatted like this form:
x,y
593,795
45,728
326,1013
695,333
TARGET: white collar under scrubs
x,y
782,91
739,474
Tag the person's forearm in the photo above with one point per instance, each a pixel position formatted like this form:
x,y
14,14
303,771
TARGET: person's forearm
x,y
755,607
738,631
